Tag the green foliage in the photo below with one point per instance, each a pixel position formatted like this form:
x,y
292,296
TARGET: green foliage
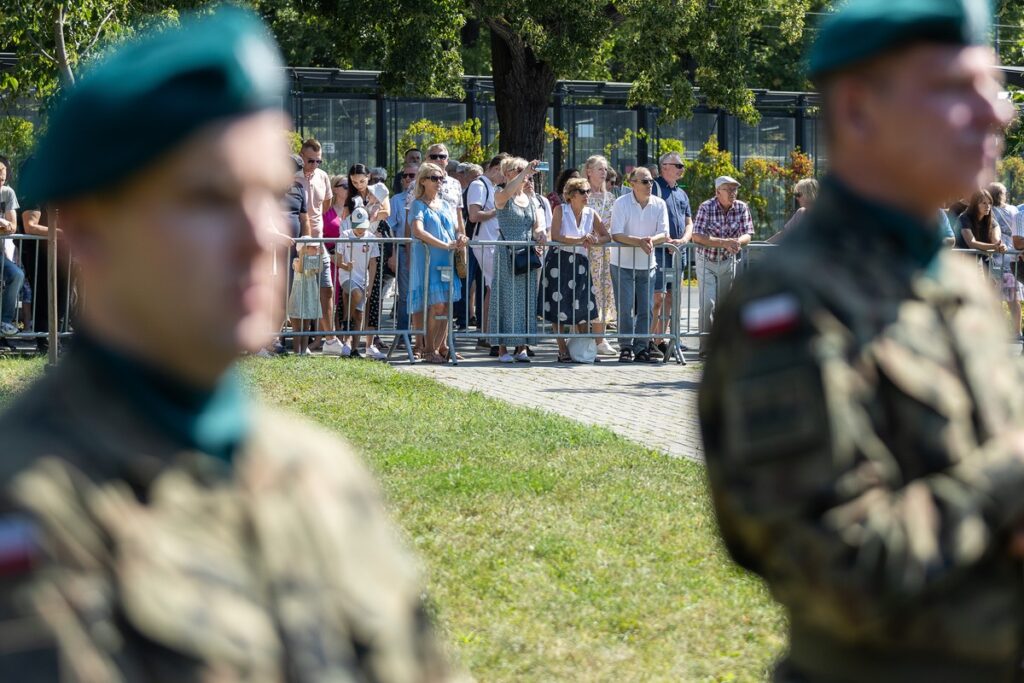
x,y
1010,171
463,140
294,141
700,174
17,137
627,137
666,145
756,176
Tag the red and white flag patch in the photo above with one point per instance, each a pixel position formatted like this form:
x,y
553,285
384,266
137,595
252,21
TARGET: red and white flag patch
x,y
771,316
19,547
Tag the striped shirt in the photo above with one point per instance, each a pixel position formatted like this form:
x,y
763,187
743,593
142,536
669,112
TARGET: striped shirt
x,y
713,221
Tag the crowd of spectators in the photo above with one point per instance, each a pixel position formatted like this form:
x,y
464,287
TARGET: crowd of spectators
x,y
592,255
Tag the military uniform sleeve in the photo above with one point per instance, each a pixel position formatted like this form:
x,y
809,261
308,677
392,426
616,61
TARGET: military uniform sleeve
x,y
806,491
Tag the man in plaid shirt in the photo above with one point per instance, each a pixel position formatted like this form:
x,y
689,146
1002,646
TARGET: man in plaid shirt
x,y
722,228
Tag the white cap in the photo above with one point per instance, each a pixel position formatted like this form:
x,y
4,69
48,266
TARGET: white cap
x,y
360,219
380,191
725,180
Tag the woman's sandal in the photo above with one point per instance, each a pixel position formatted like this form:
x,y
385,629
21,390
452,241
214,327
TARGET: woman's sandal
x,y
435,359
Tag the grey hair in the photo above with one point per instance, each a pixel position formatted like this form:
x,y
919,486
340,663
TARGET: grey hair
x,y
997,190
377,170
668,155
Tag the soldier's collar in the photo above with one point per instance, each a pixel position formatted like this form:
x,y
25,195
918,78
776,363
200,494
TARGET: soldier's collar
x,y
213,422
919,241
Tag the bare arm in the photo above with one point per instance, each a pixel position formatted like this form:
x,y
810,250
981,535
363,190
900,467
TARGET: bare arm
x,y
478,215
977,245
420,233
503,195
30,219
601,230
9,224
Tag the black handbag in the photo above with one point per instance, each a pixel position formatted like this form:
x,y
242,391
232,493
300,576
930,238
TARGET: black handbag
x,y
524,259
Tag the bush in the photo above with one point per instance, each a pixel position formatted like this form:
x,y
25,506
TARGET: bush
x,y
1011,173
17,138
700,175
463,140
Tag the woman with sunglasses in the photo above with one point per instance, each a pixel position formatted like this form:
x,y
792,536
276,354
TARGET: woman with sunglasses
x,y
360,194
565,284
805,192
434,228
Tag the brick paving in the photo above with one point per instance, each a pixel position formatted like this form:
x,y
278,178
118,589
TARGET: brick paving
x,y
652,404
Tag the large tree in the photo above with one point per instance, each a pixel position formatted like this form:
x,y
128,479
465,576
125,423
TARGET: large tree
x,y
667,48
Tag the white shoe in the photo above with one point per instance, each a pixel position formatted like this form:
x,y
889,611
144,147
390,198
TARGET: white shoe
x,y
606,349
373,352
346,350
8,329
306,352
334,347
263,353
522,357
506,358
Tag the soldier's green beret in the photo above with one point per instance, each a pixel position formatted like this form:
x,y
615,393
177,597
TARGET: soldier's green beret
x,y
149,96
867,28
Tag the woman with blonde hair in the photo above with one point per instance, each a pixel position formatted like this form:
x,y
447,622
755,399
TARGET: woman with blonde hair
x,y
595,170
433,227
806,192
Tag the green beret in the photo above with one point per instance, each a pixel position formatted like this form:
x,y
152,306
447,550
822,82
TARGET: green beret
x,y
149,96
867,28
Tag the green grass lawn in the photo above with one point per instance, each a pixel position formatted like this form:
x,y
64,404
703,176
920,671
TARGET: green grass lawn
x,y
552,551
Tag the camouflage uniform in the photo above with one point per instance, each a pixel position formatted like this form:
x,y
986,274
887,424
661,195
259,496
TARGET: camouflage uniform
x,y
159,564
858,413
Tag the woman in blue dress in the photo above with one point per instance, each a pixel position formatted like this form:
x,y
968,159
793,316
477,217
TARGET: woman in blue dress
x,y
434,229
513,309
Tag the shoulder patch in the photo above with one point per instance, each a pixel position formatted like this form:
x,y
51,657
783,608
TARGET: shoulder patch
x,y
770,316
19,545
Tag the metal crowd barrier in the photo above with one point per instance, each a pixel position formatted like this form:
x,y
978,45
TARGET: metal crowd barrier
x,y
31,308
387,285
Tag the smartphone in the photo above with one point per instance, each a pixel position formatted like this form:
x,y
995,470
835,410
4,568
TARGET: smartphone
x,y
543,167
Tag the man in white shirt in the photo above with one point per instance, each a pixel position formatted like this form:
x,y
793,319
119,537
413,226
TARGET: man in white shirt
x,y
639,224
480,197
319,198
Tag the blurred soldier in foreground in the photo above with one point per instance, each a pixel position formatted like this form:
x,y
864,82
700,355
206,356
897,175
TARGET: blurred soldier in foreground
x,y
161,525
861,411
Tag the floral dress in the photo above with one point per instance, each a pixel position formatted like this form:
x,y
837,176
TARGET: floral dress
x,y
513,297
600,259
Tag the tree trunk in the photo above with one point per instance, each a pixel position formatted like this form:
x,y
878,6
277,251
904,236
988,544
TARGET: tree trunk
x,y
67,76
522,92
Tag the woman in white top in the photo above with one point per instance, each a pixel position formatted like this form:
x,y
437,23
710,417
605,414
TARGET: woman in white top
x,y
568,301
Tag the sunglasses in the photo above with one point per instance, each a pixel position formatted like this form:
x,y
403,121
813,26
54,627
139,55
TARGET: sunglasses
x,y
645,181
315,161
433,178
341,186
679,166
408,176
583,191
436,157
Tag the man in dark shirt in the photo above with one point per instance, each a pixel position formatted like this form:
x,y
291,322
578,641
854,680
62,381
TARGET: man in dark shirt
x,y
680,228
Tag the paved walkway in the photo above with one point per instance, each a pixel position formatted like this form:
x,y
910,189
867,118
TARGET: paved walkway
x,y
652,404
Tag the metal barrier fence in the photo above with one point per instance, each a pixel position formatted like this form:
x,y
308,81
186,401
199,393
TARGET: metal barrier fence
x,y
26,291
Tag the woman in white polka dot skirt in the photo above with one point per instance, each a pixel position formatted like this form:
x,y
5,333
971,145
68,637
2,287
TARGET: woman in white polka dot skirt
x,y
568,301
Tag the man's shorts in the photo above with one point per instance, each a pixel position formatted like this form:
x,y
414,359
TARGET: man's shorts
x,y
664,260
349,286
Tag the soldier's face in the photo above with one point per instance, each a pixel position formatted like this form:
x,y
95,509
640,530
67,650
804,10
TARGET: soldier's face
x,y
931,119
181,255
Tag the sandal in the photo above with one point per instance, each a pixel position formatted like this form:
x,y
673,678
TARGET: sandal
x,y
564,359
436,359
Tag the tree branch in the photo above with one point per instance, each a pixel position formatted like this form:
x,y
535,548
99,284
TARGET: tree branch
x,y
83,53
39,46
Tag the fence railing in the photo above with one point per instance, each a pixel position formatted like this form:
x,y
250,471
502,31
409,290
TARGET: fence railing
x,y
388,287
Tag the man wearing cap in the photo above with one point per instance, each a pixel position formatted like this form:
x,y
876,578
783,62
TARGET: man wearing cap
x,y
722,228
863,457
155,523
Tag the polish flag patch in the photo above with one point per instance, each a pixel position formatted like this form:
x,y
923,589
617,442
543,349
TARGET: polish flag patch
x,y
771,316
19,547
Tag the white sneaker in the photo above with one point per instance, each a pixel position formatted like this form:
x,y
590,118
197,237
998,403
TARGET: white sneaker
x,y
506,358
606,349
334,347
346,350
263,353
8,329
373,352
522,357
306,352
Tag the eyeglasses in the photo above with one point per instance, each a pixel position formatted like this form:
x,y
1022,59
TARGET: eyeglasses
x,y
583,191
729,190
437,157
315,161
408,176
679,166
645,181
434,178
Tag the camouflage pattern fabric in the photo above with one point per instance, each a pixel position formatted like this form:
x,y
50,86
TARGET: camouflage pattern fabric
x,y
158,565
862,418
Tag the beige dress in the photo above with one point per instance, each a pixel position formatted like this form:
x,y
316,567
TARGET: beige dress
x,y
600,262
